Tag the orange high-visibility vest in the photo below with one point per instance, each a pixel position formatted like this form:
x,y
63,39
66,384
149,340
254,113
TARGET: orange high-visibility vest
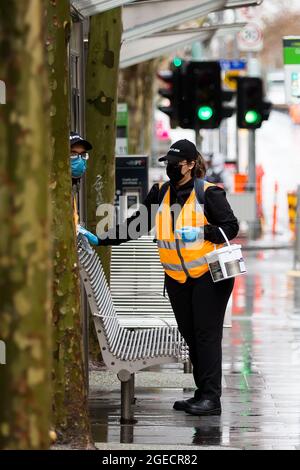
x,y
181,260
75,212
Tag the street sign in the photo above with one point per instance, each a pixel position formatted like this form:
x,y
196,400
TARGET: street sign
x,y
250,38
291,54
232,69
230,79
238,64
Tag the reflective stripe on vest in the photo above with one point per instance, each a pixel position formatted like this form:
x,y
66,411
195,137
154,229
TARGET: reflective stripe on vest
x,y
190,265
180,259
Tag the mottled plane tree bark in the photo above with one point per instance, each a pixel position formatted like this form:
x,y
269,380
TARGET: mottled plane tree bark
x,y
25,267
101,105
101,96
70,417
136,88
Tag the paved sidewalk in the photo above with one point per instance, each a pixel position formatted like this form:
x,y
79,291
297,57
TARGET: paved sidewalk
x,y
261,399
266,242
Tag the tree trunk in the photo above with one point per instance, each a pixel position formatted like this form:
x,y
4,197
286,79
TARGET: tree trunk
x,y
25,268
71,420
136,89
101,95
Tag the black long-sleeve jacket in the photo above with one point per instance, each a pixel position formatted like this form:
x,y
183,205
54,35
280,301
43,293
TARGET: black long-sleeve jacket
x,y
216,209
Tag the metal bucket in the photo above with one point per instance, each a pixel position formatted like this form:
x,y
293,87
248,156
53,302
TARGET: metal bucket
x,y
226,262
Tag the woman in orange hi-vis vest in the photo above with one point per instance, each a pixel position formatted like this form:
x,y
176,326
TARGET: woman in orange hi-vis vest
x,y
185,233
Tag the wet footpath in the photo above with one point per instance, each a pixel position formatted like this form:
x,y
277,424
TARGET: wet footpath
x,y
261,395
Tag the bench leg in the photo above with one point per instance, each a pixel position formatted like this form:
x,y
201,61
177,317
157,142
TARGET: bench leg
x,y
126,434
126,401
132,385
187,367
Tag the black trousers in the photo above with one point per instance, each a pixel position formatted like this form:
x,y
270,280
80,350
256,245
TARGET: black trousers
x,y
199,306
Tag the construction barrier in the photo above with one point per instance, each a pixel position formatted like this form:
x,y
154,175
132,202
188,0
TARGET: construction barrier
x,y
240,182
275,208
295,113
292,202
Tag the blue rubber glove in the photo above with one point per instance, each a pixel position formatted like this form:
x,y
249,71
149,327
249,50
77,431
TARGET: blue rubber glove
x,y
189,234
93,240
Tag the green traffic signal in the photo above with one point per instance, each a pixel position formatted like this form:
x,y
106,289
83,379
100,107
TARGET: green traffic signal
x,y
205,113
252,117
177,62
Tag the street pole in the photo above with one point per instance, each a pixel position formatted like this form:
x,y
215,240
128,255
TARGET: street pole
x,y
198,139
297,239
236,54
237,150
254,227
198,53
252,161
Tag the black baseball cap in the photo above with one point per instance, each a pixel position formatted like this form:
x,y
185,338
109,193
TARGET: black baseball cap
x,y
181,150
75,138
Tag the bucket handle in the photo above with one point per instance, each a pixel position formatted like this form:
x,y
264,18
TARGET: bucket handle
x,y
226,239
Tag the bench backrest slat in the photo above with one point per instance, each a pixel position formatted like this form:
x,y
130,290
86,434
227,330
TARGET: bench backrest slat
x,y
101,293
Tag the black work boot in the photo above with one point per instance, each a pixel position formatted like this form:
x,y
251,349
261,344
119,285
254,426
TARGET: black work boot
x,y
204,408
181,405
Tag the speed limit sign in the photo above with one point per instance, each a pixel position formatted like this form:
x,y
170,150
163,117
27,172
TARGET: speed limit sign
x,y
250,38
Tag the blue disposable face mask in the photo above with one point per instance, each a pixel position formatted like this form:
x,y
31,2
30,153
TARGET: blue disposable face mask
x,y
78,167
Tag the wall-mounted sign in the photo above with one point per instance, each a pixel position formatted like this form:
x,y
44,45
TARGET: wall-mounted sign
x,y
291,55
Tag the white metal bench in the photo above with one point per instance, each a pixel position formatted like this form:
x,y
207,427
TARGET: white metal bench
x,y
136,283
125,350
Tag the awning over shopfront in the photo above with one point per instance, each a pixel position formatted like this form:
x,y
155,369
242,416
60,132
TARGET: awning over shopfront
x,y
145,23
139,50
243,3
143,13
92,7
146,17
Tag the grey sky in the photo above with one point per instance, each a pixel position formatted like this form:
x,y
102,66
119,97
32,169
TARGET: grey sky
x,y
272,6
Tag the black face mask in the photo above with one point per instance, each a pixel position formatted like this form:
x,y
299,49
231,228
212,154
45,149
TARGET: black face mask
x,y
174,172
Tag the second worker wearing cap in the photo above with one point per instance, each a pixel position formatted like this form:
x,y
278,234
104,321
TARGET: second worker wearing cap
x,y
183,238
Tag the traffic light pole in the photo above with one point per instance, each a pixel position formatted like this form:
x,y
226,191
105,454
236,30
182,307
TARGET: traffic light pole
x,y
198,139
254,227
252,161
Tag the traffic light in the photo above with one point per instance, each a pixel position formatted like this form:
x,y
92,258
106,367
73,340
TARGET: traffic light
x,y
173,91
252,110
194,90
205,97
204,94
